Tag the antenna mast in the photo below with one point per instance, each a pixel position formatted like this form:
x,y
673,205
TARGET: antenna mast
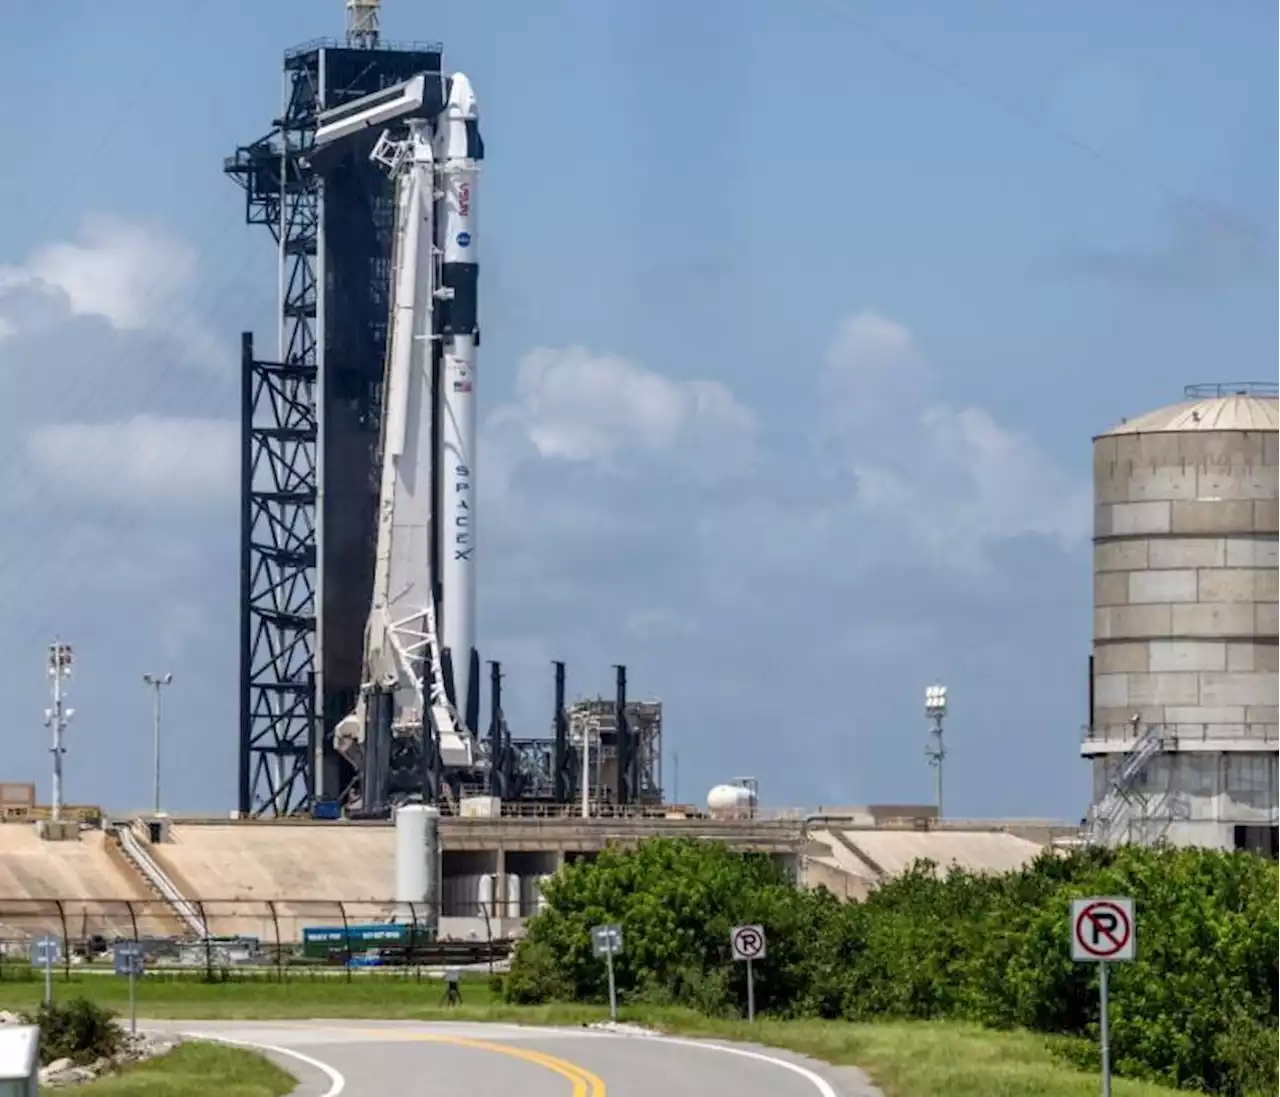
x,y
362,24
57,717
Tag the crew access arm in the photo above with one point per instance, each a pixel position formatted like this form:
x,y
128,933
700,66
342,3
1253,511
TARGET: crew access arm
x,y
426,529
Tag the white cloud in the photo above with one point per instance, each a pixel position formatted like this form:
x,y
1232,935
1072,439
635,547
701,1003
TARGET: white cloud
x,y
138,278
873,365
604,410
896,478
121,272
951,478
856,560
144,463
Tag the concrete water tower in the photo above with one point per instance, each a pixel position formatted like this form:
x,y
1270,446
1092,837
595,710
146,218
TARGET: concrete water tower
x,y
1182,732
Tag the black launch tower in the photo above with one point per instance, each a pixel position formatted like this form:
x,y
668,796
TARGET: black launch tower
x,y
311,415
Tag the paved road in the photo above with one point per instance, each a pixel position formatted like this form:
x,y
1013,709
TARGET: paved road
x,y
412,1059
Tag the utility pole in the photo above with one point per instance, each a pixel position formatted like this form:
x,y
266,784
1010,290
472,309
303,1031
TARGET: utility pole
x,y
586,770
157,682
57,717
935,708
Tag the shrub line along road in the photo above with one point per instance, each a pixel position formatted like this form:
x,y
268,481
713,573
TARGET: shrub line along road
x,y
390,1059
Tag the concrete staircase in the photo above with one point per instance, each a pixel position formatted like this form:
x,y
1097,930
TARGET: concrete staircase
x,y
140,861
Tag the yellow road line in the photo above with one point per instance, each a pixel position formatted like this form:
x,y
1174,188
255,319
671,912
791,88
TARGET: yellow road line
x,y
585,1084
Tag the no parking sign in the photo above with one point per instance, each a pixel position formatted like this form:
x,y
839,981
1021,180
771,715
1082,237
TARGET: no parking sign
x,y
1102,929
1103,932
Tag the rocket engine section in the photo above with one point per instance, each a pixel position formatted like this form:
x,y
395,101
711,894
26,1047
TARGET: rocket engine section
x,y
421,681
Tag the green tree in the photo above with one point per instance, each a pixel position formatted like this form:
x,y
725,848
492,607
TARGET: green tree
x,y
1197,1007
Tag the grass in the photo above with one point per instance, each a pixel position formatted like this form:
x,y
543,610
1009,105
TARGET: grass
x,y
906,1059
174,996
196,1070
920,1058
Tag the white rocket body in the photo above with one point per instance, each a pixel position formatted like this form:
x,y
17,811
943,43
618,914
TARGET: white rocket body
x,y
456,167
424,590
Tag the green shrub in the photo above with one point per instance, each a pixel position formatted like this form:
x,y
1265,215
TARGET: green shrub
x,y
1196,1008
79,1030
1247,1054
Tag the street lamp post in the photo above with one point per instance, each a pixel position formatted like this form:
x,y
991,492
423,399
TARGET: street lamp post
x,y
935,708
157,682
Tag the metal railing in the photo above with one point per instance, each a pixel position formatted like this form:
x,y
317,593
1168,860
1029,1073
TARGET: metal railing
x,y
338,44
1231,388
1194,733
276,939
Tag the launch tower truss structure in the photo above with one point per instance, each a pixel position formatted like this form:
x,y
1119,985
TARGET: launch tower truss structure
x,y
306,574
311,423
626,756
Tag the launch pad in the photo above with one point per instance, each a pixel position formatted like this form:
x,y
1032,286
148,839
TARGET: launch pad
x,y
312,469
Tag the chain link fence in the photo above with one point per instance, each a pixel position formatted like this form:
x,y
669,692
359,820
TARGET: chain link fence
x,y
281,939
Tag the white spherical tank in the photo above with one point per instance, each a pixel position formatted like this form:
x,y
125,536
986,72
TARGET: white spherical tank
x,y
418,858
731,800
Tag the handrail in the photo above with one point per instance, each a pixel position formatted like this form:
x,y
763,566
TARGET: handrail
x,y
1107,813
147,866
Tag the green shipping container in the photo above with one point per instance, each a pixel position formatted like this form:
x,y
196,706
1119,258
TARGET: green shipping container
x,y
318,942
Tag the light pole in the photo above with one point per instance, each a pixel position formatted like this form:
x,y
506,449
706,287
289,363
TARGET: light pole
x,y
157,682
935,708
57,718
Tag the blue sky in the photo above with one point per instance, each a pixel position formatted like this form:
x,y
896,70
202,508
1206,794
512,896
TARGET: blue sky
x,y
798,319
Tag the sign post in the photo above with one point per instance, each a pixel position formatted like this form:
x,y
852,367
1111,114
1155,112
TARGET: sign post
x,y
1103,932
747,944
606,941
45,952
129,959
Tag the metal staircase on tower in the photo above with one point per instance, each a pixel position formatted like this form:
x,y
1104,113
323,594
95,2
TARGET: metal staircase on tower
x,y
1129,803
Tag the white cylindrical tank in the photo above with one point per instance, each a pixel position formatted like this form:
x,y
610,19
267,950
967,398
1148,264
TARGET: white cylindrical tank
x,y
731,801
418,857
486,896
541,900
513,896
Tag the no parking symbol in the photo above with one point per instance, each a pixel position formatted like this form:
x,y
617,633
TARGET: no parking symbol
x,y
1102,930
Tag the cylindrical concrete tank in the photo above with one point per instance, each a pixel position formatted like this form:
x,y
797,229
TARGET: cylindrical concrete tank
x,y
418,857
1185,613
